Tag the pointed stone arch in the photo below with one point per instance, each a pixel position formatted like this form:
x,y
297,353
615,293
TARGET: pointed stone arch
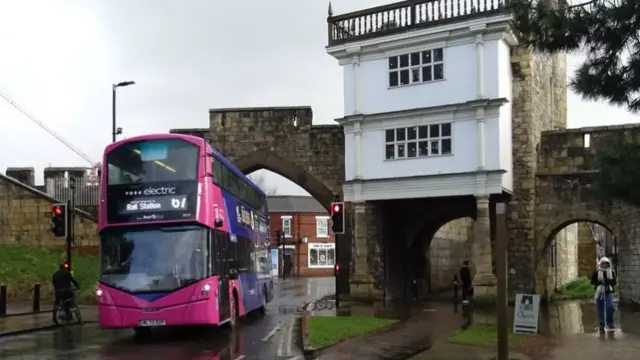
x,y
269,160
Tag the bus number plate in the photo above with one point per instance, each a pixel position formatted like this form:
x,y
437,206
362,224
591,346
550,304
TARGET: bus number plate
x,y
153,322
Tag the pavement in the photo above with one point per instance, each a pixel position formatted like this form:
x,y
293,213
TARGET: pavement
x,y
273,336
23,309
567,333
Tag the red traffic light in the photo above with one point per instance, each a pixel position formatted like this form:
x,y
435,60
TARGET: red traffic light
x,y
336,208
66,265
57,210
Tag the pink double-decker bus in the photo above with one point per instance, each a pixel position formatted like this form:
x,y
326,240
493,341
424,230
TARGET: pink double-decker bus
x,y
184,236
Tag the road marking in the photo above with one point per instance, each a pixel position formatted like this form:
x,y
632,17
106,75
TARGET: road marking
x,y
281,345
239,357
271,333
299,357
289,338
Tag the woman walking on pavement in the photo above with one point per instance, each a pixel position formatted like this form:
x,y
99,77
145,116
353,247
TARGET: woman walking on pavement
x,y
604,280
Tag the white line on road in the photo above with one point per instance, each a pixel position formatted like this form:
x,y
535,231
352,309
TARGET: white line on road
x,y
299,357
281,344
289,338
239,357
271,333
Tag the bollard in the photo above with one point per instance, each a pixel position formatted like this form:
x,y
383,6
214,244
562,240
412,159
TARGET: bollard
x,y
455,293
36,298
455,288
3,300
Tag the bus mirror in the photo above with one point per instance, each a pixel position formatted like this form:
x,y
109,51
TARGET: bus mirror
x,y
218,223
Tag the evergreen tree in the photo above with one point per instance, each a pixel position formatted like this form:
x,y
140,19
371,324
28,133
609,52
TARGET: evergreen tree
x,y
608,32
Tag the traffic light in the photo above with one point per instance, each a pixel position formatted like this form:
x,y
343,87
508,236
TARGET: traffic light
x,y
337,217
59,220
336,269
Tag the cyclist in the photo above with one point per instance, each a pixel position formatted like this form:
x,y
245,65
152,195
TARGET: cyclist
x,y
62,280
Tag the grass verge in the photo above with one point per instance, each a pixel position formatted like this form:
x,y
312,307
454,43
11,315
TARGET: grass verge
x,y
479,335
579,288
327,330
22,266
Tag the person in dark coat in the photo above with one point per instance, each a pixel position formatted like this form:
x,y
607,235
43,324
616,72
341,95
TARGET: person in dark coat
x,y
465,280
62,280
604,281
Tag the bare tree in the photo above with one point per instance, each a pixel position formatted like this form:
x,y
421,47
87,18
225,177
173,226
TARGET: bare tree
x,y
260,180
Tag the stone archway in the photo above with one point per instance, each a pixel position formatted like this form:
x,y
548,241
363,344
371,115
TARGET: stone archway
x,y
269,160
550,230
549,275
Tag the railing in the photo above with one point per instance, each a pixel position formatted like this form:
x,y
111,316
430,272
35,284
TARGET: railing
x,y
411,14
85,192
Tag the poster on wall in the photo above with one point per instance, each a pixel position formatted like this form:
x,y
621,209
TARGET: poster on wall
x,y
274,262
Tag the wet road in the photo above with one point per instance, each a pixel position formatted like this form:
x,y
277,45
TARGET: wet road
x,y
272,336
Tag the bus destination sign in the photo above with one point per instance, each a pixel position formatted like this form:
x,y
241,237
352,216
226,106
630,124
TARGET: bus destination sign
x,y
140,202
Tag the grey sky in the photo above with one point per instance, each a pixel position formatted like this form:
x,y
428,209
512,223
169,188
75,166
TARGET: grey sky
x,y
58,59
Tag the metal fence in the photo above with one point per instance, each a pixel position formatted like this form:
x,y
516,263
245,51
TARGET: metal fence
x,y
86,190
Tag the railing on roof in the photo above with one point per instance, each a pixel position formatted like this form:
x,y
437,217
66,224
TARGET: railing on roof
x,y
406,15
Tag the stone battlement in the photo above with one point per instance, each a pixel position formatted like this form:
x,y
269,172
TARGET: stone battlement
x,y
263,117
574,150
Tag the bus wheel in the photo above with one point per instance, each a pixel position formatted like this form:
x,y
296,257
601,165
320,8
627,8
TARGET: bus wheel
x,y
263,308
234,311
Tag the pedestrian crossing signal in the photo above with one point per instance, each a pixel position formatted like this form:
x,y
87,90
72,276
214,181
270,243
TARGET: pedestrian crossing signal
x,y
337,217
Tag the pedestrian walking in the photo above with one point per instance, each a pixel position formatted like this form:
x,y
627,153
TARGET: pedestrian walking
x,y
465,279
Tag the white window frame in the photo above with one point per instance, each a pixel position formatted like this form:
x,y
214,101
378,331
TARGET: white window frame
x,y
287,221
420,67
319,221
320,248
401,144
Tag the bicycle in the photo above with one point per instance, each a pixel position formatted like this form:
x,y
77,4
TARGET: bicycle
x,y
60,315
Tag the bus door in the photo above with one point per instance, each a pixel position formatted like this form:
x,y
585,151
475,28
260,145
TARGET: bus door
x,y
221,263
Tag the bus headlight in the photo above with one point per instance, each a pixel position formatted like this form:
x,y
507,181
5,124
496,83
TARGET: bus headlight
x,y
205,290
98,292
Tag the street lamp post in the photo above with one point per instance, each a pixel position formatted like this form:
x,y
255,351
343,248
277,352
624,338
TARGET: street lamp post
x,y
501,275
115,130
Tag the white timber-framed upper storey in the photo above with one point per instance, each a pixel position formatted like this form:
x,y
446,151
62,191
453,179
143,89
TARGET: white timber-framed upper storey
x,y
427,98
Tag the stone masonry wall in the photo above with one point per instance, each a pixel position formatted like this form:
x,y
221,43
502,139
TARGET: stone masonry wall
x,y
25,215
629,258
282,140
565,194
449,247
587,250
538,104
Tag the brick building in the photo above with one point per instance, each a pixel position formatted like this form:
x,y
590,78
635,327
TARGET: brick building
x,y
309,246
